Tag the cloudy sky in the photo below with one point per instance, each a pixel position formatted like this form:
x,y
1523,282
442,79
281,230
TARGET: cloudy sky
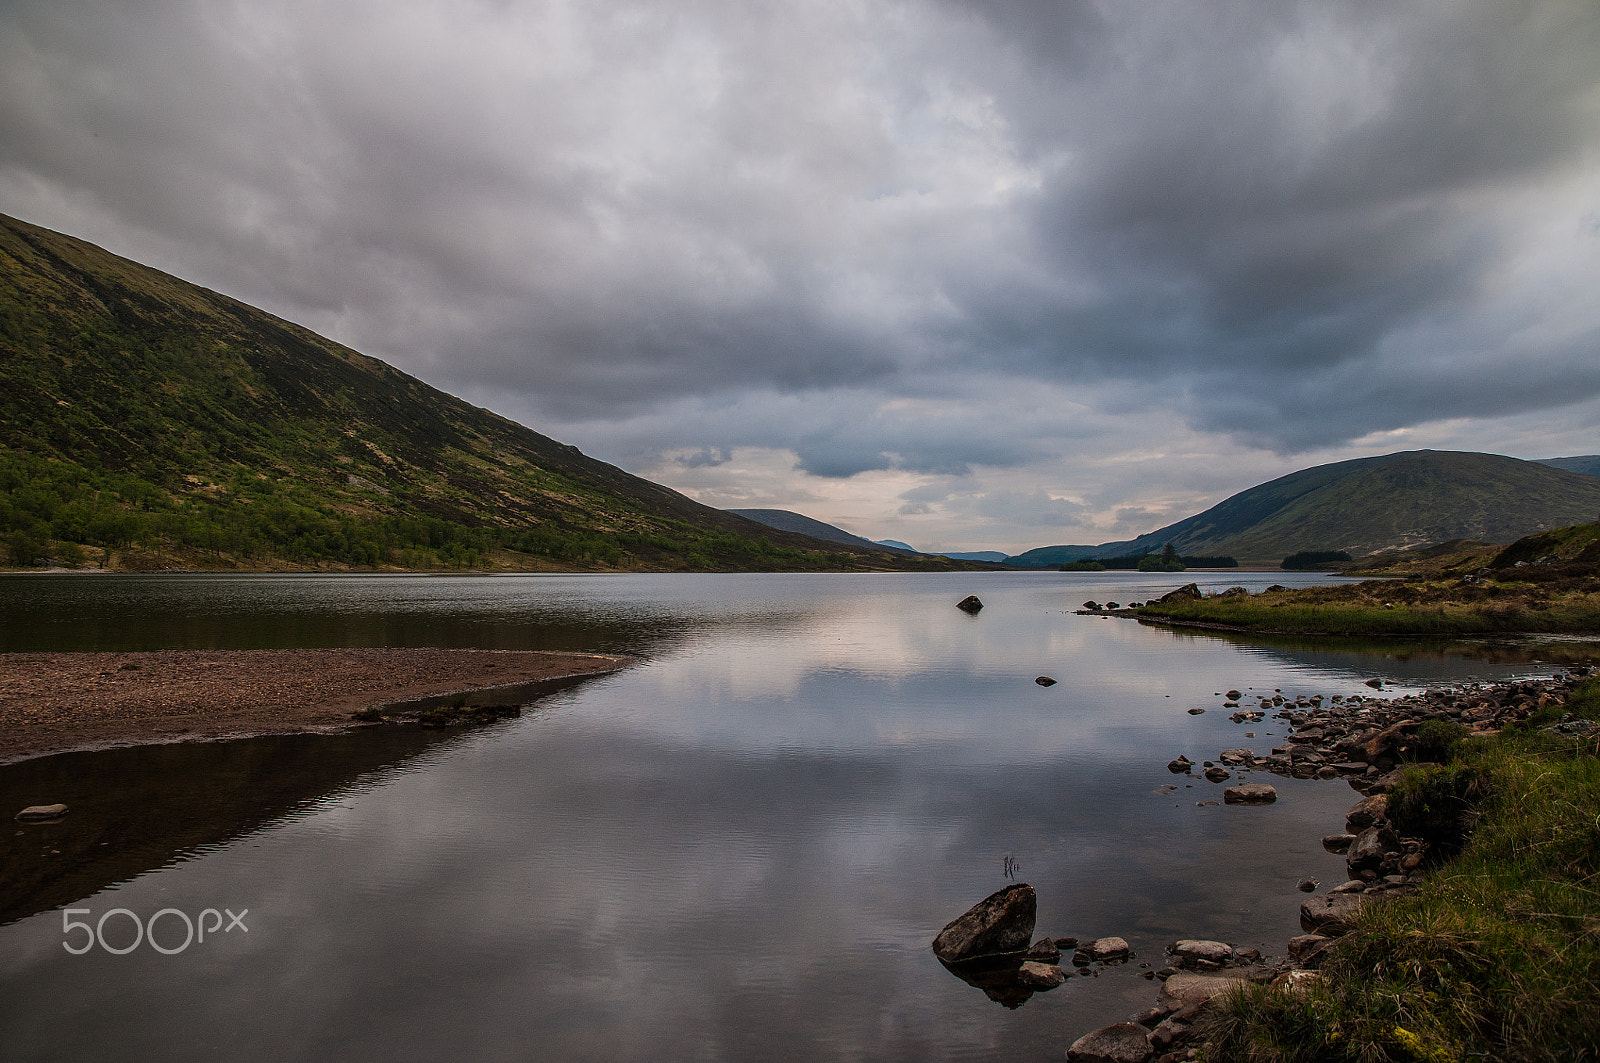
x,y
982,275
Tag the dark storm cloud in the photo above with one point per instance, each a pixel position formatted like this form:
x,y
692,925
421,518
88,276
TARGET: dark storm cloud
x,y
1295,224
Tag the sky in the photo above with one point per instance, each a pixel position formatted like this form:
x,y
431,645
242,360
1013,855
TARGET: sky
x,y
970,275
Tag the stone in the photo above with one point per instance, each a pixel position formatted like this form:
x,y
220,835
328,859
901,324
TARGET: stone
x,y
1307,885
1375,684
1105,949
1307,949
1187,987
1000,924
970,604
1123,1042
1366,812
1044,951
1218,774
1092,605
41,813
1190,949
1180,765
1354,885
1196,712
1370,848
1045,681
1237,756
1250,793
1330,914
1035,975
1234,592
1189,592
1233,695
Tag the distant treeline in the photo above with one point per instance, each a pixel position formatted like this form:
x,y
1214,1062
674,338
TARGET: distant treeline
x,y
1314,559
1148,561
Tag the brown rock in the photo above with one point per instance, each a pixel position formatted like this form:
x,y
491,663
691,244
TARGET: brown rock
x,y
1330,914
1000,924
1125,1042
41,813
1250,793
1032,975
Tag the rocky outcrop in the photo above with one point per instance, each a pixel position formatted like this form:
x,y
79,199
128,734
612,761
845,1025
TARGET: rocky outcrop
x,y
1001,924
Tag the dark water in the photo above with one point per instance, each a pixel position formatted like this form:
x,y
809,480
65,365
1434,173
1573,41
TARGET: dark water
x,y
739,849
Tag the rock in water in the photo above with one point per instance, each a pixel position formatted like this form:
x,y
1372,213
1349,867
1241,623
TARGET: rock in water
x,y
1045,681
970,604
1126,1042
1250,793
41,813
1001,924
1040,976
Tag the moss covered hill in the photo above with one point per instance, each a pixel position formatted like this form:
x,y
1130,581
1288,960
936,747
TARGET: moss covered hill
x,y
148,423
1366,505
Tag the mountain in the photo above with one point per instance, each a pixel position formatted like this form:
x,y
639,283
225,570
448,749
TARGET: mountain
x,y
977,555
1586,464
146,422
896,544
1371,504
800,524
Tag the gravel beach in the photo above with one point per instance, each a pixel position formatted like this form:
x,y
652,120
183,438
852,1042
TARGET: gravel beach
x,y
53,702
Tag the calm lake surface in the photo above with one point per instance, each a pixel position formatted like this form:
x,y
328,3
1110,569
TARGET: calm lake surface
x,y
738,849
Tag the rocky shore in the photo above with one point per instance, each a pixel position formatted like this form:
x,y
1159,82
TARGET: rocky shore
x,y
1366,740
54,702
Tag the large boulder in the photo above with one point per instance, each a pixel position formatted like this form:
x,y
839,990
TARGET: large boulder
x,y
970,604
1370,847
1366,812
1189,592
1126,1042
999,925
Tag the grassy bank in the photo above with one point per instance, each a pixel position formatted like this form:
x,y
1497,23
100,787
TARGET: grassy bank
x,y
1383,607
1497,956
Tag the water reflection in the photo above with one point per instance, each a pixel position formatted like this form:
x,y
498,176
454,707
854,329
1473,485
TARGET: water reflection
x,y
740,849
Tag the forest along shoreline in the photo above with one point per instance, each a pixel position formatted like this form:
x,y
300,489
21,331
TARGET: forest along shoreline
x,y
59,702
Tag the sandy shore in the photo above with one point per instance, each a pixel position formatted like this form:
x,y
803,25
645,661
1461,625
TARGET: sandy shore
x,y
53,702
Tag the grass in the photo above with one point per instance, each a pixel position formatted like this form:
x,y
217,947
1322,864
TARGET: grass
x,y
1497,957
1392,608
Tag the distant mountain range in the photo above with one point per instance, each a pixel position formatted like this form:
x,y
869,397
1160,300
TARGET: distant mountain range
x,y
1587,464
146,422
789,520
1371,504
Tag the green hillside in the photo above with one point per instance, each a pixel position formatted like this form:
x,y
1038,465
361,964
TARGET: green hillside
x,y
1371,504
147,423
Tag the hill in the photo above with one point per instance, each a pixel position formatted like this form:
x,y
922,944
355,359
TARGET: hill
x,y
148,423
1587,464
1368,505
800,524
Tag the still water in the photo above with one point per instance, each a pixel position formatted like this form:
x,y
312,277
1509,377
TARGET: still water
x,y
737,849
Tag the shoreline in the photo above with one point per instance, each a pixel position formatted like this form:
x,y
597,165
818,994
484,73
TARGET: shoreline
x,y
64,702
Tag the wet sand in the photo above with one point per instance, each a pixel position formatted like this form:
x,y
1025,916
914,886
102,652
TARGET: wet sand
x,y
53,702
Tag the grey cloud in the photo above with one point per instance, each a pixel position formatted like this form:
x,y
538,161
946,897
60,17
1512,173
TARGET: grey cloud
x,y
868,233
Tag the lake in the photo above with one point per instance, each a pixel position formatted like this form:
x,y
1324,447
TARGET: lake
x,y
739,848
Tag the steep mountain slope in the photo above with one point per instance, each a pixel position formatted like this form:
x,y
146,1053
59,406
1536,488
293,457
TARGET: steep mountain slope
x,y
1371,504
151,423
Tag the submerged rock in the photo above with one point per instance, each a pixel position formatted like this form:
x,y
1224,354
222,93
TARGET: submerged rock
x,y
1000,924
